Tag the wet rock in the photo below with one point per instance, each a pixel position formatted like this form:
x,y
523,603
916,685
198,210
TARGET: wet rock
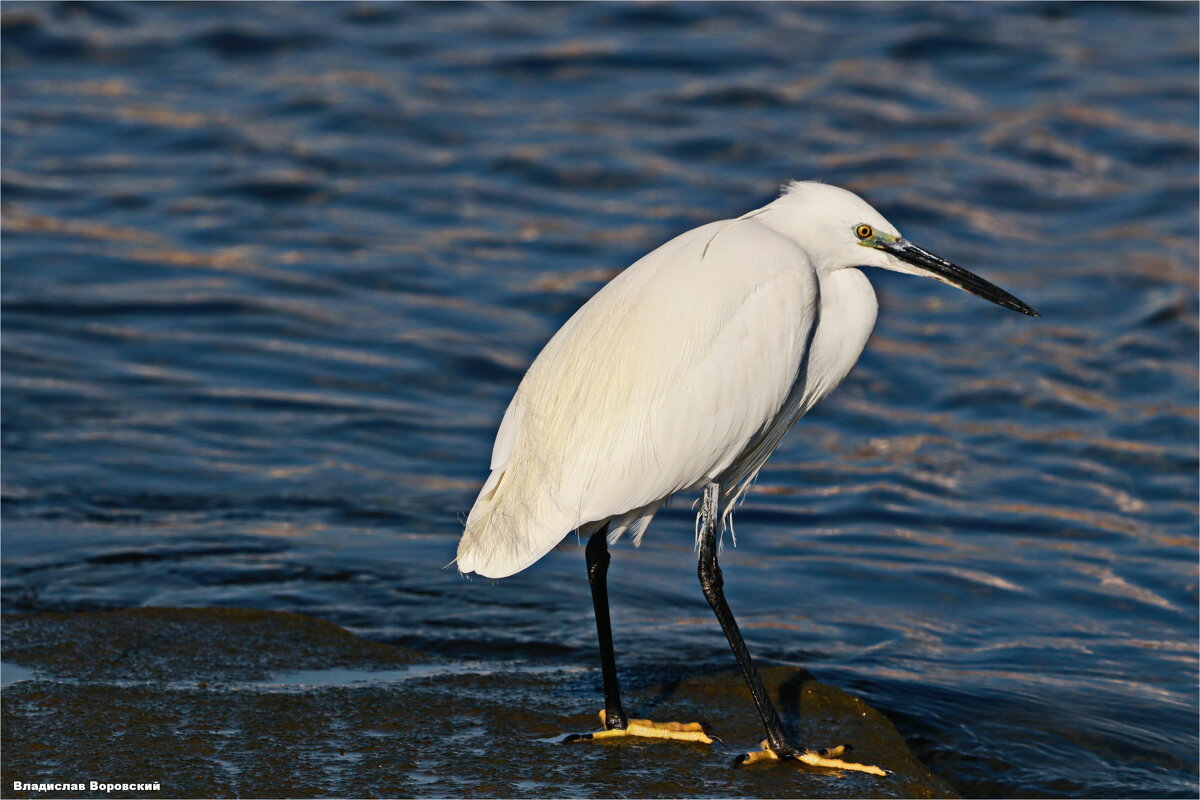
x,y
227,702
182,643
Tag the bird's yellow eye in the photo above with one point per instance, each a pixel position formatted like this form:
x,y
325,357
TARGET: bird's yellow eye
x,y
864,231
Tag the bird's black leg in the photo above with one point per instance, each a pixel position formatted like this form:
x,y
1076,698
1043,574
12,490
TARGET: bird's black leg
x,y
777,745
616,724
712,583
597,567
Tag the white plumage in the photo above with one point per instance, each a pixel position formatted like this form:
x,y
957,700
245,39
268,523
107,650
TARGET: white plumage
x,y
685,371
687,367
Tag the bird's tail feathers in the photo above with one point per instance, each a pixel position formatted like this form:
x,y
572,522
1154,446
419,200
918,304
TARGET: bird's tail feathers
x,y
503,535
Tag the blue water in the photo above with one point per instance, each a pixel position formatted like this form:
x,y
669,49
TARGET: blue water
x,y
272,272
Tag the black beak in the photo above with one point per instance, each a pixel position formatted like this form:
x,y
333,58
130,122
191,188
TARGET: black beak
x,y
944,271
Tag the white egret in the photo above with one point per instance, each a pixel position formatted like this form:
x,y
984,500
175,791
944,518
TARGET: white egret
x,y
682,374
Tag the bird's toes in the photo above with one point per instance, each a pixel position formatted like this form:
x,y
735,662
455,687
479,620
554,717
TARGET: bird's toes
x,y
760,756
832,752
647,729
829,757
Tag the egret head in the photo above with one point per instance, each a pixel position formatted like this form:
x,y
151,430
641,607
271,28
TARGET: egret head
x,y
839,229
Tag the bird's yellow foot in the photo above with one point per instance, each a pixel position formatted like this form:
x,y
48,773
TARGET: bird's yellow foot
x,y
830,758
676,731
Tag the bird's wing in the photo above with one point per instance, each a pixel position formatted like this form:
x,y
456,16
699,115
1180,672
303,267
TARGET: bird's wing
x,y
655,385
506,436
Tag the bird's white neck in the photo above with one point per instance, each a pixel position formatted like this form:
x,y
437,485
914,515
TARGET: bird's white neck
x,y
848,309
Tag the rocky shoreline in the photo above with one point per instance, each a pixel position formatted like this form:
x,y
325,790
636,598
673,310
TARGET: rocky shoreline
x,y
211,702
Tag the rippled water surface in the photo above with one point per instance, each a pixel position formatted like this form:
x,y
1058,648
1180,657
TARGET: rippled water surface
x,y
272,272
